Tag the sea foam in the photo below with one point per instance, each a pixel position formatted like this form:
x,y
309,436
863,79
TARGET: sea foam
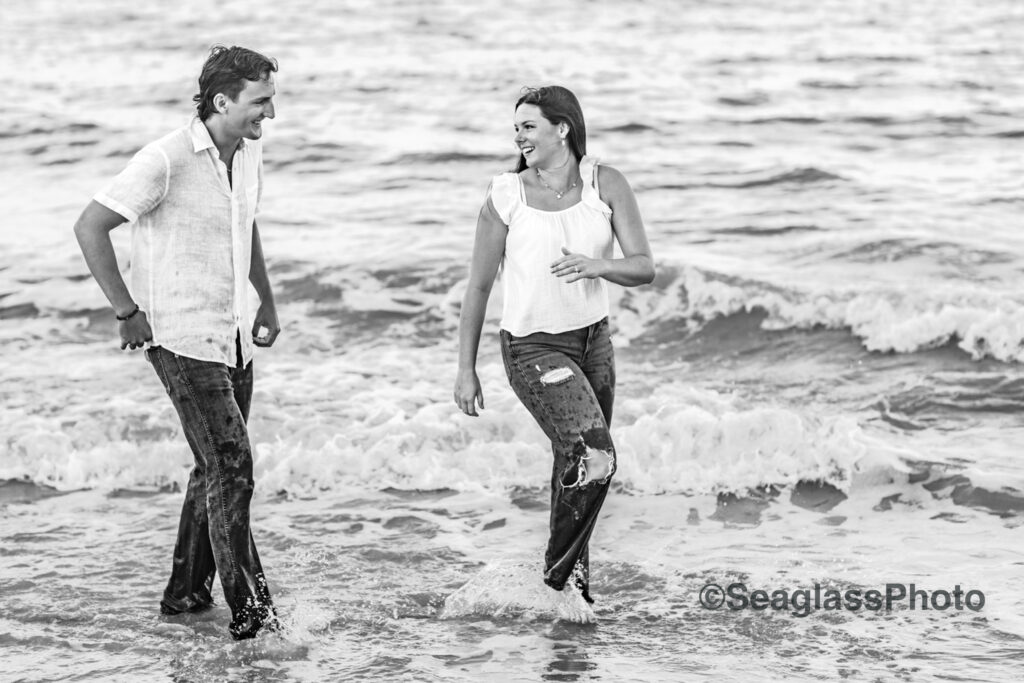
x,y
351,430
903,318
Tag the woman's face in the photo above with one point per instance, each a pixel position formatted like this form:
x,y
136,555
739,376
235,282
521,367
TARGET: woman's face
x,y
539,140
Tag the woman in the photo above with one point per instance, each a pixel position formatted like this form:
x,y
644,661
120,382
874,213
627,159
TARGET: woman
x,y
551,223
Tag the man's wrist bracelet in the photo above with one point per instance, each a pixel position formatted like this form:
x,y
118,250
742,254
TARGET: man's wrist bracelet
x,y
122,318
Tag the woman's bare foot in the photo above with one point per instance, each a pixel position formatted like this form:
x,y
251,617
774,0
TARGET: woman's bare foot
x,y
570,606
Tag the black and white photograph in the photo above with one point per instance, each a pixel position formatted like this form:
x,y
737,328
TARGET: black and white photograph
x,y
649,341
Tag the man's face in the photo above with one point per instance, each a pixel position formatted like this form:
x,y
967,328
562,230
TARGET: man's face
x,y
255,103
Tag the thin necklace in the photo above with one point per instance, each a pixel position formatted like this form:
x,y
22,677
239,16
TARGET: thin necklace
x,y
558,195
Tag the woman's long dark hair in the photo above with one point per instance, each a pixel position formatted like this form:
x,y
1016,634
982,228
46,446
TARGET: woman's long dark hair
x,y
558,105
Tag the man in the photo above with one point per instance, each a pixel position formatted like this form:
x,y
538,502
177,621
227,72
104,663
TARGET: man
x,y
192,196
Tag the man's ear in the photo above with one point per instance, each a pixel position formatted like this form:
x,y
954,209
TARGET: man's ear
x,y
220,103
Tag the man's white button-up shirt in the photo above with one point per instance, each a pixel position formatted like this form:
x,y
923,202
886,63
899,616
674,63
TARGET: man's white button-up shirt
x,y
191,240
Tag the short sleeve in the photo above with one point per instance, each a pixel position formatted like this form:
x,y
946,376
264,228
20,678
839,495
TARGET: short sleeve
x,y
140,187
503,193
591,194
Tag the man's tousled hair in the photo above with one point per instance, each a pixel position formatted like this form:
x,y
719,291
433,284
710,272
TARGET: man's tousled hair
x,y
225,71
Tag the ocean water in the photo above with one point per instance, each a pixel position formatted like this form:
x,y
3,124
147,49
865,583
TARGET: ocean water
x,y
822,386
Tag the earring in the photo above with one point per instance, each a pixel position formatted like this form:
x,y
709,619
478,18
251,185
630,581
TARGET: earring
x,y
563,142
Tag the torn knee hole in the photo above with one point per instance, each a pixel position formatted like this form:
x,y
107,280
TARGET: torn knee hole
x,y
595,466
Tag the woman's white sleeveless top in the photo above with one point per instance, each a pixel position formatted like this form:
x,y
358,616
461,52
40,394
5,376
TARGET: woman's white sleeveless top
x,y
536,300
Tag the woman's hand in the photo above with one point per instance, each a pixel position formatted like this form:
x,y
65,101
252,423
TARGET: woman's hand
x,y
468,392
575,267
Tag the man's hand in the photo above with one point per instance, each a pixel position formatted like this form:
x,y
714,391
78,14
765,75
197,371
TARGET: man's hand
x,y
266,317
135,331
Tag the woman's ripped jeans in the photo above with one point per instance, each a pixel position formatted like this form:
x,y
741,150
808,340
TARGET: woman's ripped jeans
x,y
567,382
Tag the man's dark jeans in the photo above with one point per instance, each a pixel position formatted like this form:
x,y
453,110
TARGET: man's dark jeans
x,y
212,401
567,382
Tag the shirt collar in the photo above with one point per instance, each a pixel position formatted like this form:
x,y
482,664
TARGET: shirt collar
x,y
201,139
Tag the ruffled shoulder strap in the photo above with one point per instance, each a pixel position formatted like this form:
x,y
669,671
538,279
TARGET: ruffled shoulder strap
x,y
591,193
504,194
